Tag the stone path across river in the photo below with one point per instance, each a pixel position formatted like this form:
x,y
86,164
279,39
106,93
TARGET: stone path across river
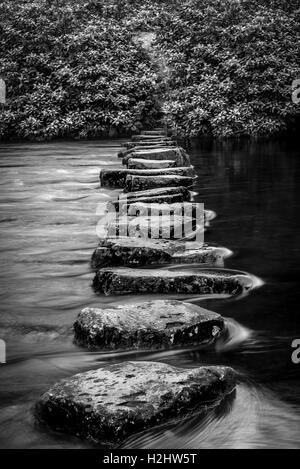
x,y
109,404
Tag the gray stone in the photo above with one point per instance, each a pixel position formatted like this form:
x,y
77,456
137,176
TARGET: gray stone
x,y
129,252
135,183
154,227
158,195
122,281
153,146
138,138
159,141
177,154
153,132
116,177
148,325
138,163
109,404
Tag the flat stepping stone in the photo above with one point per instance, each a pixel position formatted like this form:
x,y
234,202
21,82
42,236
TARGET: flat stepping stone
x,y
135,183
191,209
123,281
158,195
156,192
119,204
152,146
138,138
155,227
116,177
148,325
153,132
177,154
159,141
109,404
128,251
138,163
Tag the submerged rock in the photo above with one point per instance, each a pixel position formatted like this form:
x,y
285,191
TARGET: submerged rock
x,y
109,404
116,177
122,281
134,183
177,154
148,325
138,163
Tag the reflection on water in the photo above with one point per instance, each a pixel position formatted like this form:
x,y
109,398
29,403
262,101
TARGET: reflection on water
x,y
49,194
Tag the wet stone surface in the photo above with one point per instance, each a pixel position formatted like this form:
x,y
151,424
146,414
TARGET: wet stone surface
x,y
147,325
109,404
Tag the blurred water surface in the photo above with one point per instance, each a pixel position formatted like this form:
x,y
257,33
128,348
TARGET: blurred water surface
x,y
49,194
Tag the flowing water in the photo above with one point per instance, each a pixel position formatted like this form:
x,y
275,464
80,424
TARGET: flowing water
x,y
50,204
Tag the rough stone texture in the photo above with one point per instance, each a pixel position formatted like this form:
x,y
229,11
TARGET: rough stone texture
x,y
159,141
122,281
158,195
138,163
151,146
156,192
138,138
177,154
191,209
153,132
134,183
109,404
148,325
153,227
116,177
128,251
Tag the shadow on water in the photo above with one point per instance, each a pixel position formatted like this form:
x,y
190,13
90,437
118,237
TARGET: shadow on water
x,y
49,195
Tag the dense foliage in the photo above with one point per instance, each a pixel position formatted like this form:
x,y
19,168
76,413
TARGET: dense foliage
x,y
72,69
232,64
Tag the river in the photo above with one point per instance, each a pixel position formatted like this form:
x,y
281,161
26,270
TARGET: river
x,y
50,204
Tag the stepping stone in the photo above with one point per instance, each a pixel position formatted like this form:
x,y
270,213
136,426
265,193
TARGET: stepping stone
x,y
129,251
148,325
190,209
138,163
155,227
150,143
160,195
153,132
122,203
109,404
138,138
116,177
123,281
141,183
152,146
177,154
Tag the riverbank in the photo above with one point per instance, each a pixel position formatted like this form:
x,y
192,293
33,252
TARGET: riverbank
x,y
77,71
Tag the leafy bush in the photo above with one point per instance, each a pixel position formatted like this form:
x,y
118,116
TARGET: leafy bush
x,y
72,69
232,64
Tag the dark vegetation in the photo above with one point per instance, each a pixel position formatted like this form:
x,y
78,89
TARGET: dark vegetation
x,y
74,68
